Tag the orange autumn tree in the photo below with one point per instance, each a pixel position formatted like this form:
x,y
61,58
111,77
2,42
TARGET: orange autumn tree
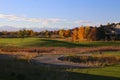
x,y
93,34
74,34
81,33
67,33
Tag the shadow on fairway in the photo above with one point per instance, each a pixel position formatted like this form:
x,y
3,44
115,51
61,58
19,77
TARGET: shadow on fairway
x,y
58,43
53,43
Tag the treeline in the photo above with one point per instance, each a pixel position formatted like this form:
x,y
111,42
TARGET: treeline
x,y
30,33
81,33
76,34
15,34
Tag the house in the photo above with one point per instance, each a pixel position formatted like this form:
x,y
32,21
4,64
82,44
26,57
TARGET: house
x,y
112,31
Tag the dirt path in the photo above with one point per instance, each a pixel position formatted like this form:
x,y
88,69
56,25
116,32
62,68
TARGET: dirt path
x,y
53,60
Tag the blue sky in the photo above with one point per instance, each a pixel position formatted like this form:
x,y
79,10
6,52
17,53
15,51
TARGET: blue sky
x,y
58,13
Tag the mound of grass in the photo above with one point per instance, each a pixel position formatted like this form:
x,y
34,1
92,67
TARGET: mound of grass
x,y
95,60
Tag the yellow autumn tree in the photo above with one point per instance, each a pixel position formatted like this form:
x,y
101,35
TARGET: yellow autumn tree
x,y
87,32
61,32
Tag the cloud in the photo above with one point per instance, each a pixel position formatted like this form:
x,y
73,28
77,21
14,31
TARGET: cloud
x,y
37,22
81,21
21,18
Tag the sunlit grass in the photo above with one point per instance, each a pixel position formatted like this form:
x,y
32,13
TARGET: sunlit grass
x,y
113,71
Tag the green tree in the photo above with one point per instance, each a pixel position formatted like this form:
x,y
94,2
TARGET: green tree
x,y
101,33
22,33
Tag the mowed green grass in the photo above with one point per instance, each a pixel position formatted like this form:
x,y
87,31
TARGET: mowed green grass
x,y
22,70
42,42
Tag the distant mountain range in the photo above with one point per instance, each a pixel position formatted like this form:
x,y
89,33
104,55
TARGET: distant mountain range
x,y
8,28
11,28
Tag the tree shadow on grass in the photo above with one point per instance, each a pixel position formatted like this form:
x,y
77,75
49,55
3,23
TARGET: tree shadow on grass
x,y
57,43
53,43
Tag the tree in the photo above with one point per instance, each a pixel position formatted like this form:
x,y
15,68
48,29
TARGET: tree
x,y
92,35
12,34
61,32
81,33
29,33
46,33
22,33
67,33
74,35
100,33
4,32
56,32
87,31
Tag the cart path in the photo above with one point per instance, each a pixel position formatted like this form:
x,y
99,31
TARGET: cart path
x,y
53,60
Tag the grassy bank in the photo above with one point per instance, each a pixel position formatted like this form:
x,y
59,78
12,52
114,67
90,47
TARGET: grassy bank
x,y
40,42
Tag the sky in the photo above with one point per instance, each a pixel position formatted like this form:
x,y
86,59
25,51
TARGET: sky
x,y
58,13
